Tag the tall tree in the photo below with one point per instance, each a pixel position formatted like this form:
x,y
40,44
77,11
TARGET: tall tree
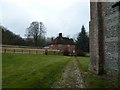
x,y
36,30
82,42
10,38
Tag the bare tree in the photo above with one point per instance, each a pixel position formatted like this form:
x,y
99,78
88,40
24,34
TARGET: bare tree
x,y
36,30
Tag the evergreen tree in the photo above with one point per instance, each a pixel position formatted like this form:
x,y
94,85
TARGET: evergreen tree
x,y
82,42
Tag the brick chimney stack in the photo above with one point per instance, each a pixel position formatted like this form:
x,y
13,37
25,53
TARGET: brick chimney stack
x,y
60,34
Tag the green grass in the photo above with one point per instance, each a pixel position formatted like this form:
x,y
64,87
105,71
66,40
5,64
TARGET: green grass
x,y
84,62
31,71
91,80
0,71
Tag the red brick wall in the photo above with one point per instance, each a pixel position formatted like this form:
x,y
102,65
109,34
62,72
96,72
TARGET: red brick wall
x,y
63,47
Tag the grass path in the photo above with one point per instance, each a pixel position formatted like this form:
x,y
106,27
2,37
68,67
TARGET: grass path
x,y
71,77
41,71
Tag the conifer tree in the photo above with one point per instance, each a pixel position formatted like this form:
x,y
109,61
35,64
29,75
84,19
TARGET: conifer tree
x,y
82,42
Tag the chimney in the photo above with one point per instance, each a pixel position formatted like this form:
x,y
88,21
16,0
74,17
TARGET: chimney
x,y
60,34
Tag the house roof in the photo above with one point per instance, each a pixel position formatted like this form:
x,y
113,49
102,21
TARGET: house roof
x,y
62,40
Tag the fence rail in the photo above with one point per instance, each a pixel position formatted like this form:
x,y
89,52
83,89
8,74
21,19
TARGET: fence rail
x,y
28,51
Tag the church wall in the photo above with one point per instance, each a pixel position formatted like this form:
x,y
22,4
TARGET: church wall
x,y
105,23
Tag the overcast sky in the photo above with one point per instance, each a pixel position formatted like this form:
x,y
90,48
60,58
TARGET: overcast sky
x,y
59,16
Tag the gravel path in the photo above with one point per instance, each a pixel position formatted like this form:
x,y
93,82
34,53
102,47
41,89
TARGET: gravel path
x,y
71,77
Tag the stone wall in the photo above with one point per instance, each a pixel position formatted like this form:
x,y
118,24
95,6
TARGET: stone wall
x,y
111,21
104,39
94,38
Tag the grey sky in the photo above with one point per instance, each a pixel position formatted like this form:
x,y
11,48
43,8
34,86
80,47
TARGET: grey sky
x,y
65,16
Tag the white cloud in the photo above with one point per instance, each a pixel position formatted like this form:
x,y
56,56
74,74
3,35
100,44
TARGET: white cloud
x,y
57,15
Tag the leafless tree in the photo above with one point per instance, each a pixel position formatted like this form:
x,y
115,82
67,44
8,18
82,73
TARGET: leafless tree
x,y
36,30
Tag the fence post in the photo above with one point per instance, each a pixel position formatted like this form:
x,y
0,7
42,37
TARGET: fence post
x,y
36,51
5,51
29,51
22,51
14,51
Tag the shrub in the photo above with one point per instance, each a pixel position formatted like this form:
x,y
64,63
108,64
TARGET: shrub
x,y
80,53
66,52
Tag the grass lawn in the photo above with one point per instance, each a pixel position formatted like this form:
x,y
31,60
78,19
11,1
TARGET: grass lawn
x,y
92,80
31,71
0,71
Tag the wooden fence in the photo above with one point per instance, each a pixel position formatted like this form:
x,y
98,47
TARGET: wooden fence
x,y
28,51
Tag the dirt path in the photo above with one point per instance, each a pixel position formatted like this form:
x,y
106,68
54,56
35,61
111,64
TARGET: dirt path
x,y
71,77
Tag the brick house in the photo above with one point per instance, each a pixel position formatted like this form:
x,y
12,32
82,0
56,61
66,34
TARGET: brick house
x,y
63,43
